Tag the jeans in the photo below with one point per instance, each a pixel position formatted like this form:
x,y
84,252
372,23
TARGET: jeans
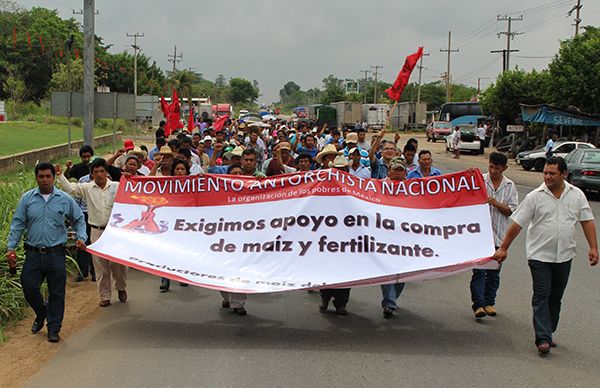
x,y
549,283
51,267
390,293
484,286
84,258
340,295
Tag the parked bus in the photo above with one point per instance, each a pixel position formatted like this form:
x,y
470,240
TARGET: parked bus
x,y
453,110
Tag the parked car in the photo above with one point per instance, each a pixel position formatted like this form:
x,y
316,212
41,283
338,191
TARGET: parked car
x,y
583,165
469,141
537,158
438,130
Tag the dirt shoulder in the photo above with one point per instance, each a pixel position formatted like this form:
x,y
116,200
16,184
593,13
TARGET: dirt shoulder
x,y
24,353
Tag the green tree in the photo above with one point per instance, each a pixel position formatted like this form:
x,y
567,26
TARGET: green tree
x,y
34,64
575,72
60,77
242,91
512,88
333,90
288,89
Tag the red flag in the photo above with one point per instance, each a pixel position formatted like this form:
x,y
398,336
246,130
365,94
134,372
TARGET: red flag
x,y
395,92
191,124
164,106
220,122
14,37
174,115
42,44
76,54
28,40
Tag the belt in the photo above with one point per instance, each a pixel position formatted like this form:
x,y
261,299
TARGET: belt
x,y
56,248
98,227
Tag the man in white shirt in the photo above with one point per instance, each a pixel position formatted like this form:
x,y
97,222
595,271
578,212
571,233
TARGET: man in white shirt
x,y
549,147
551,213
481,136
99,195
456,143
502,198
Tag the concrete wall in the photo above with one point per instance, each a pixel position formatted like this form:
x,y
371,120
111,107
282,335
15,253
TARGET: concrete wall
x,y
29,158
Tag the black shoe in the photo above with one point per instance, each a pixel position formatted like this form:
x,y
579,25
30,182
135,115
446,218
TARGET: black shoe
x,y
240,311
94,278
324,305
225,304
53,336
388,312
183,284
341,310
164,285
38,325
79,278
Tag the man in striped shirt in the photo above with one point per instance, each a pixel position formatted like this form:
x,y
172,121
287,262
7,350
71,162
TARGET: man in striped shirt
x,y
502,198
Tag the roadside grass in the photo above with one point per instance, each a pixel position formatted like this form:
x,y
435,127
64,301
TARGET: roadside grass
x,y
19,137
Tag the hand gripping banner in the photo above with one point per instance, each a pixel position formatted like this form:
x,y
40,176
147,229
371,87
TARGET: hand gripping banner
x,y
317,229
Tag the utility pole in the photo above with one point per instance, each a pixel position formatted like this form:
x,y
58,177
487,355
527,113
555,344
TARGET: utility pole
x,y
419,87
449,51
365,86
479,84
135,54
175,58
89,11
376,67
509,35
70,86
577,9
504,57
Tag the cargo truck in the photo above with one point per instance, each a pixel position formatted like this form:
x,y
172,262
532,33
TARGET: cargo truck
x,y
348,113
375,115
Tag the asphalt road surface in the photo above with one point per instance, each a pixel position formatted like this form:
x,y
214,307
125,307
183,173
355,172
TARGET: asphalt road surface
x,y
183,337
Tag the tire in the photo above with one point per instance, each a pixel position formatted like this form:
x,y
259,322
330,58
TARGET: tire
x,y
526,166
433,139
539,165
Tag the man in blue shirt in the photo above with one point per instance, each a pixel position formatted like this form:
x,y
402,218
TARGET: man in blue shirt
x,y
351,141
425,169
42,212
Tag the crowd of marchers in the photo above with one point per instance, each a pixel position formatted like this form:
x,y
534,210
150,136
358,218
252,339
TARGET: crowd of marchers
x,y
84,195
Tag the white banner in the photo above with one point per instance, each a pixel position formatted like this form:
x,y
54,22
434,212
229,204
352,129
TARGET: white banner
x,y
281,236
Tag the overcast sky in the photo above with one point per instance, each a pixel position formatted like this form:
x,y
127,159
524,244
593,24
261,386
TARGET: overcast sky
x,y
275,41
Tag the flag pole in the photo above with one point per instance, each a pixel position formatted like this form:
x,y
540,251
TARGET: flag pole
x,y
389,117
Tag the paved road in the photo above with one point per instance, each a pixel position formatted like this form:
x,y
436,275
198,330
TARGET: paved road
x,y
184,338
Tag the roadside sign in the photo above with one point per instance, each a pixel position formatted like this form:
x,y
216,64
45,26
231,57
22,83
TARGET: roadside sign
x,y
514,128
2,111
106,105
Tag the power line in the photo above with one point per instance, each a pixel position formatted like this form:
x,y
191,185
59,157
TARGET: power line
x,y
490,22
477,70
542,8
